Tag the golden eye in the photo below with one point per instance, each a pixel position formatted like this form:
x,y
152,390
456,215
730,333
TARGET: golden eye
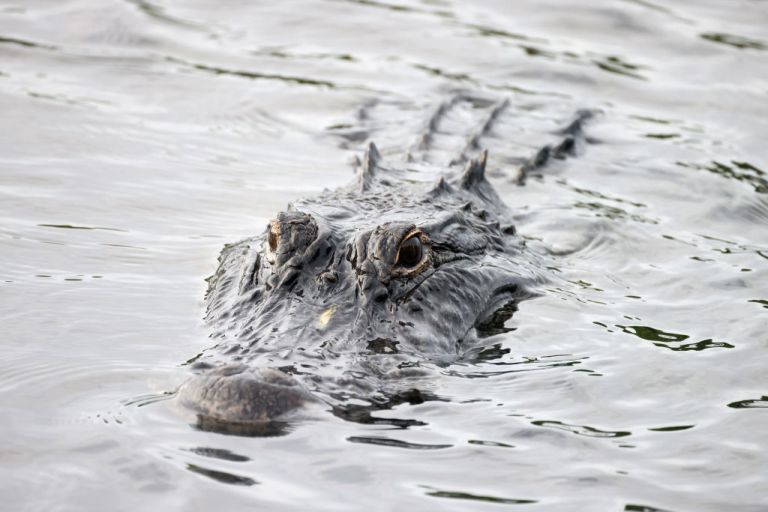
x,y
273,238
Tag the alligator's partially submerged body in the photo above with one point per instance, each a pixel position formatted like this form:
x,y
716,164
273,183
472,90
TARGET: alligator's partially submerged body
x,y
349,298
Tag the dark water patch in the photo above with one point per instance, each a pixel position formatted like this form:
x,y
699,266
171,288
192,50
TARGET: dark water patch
x,y
764,303
581,430
218,453
396,443
632,507
222,476
26,44
673,428
757,403
253,75
495,444
475,497
739,171
671,340
740,42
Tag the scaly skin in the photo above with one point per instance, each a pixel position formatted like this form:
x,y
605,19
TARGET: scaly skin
x,y
356,294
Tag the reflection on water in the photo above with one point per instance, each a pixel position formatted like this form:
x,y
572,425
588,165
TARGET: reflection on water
x,y
141,136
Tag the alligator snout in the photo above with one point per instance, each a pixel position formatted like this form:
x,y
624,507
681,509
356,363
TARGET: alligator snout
x,y
238,394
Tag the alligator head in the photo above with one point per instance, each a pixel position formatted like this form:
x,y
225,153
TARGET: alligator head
x,y
347,296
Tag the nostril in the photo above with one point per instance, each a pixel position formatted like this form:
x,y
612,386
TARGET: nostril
x,y
380,295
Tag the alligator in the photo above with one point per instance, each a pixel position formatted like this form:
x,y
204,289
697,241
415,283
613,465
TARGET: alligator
x,y
350,299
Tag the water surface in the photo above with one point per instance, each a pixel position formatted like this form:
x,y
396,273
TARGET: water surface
x,y
137,137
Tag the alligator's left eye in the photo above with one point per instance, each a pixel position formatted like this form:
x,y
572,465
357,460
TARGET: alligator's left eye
x,y
410,252
412,255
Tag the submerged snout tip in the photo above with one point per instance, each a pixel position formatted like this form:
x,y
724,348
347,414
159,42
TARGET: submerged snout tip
x,y
239,394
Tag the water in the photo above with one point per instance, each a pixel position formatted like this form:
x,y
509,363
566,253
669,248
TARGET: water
x,y
138,137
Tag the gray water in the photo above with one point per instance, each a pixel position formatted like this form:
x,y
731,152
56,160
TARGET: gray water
x,y
137,137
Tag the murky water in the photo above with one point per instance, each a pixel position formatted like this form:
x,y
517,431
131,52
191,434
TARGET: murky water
x,y
137,137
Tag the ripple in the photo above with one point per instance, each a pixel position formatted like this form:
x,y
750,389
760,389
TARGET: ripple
x,y
159,13
581,430
460,495
26,44
496,444
253,75
71,226
221,476
740,42
671,340
396,443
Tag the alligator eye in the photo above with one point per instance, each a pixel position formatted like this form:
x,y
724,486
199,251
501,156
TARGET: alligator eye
x,y
410,253
413,255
